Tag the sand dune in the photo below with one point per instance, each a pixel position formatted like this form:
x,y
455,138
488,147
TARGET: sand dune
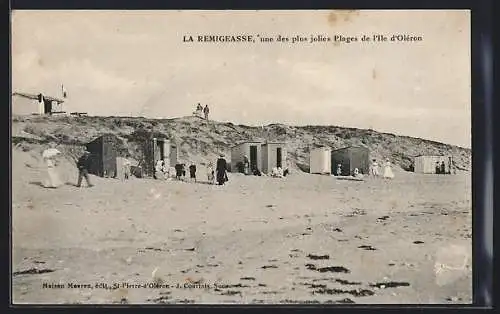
x,y
200,141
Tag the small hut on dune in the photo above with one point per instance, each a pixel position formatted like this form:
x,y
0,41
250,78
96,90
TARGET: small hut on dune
x,y
103,156
273,156
251,149
155,149
320,161
351,158
429,164
150,148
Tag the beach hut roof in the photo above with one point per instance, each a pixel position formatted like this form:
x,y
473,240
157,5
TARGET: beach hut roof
x,y
353,146
320,147
248,142
274,142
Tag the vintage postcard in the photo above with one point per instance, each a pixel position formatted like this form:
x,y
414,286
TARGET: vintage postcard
x,y
241,157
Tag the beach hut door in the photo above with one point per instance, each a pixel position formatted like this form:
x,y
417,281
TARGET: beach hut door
x,y
278,157
173,155
253,156
47,106
161,146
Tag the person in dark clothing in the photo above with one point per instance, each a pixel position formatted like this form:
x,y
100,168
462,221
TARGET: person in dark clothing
x,y
206,111
83,165
438,169
192,172
178,171
221,169
199,110
443,167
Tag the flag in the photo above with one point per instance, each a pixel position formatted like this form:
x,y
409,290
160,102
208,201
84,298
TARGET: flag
x,y
64,93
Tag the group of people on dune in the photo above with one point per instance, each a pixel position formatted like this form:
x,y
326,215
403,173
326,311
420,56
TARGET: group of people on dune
x,y
200,110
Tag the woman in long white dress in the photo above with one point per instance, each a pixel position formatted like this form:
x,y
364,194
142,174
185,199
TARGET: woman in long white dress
x,y
388,174
52,180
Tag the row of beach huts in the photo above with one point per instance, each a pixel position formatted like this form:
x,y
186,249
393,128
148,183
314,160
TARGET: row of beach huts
x,y
263,155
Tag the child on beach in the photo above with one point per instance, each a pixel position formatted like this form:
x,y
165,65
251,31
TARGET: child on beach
x,y
192,171
388,174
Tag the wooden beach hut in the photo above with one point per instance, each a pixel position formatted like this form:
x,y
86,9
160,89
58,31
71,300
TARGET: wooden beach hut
x,y
159,149
320,161
251,149
103,156
273,155
427,164
351,158
165,150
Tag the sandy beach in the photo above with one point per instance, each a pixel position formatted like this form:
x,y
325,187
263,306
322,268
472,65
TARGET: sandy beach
x,y
304,238
272,91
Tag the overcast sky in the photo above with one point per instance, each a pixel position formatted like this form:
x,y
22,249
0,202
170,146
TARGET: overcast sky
x,y
135,63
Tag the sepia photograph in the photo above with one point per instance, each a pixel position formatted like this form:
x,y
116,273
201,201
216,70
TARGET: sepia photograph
x,y
241,157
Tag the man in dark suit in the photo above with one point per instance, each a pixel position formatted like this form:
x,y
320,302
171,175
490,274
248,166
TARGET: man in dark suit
x,y
206,111
221,168
83,165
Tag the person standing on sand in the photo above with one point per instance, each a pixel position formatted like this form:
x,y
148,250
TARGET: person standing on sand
x,y
221,169
246,165
50,158
192,171
438,169
339,169
388,174
83,165
206,111
178,171
126,168
374,168
210,172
